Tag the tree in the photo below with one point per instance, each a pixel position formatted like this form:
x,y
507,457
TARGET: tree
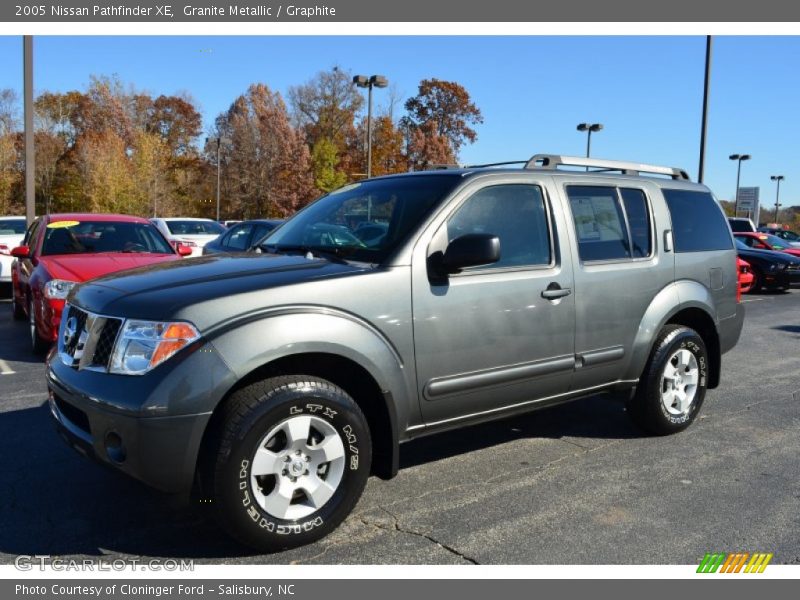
x,y
326,106
324,161
267,165
426,147
443,109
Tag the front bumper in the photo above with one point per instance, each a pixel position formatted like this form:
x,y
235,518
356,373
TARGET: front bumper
x,y
782,278
148,427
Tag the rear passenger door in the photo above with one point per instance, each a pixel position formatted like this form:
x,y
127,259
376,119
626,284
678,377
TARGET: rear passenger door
x,y
486,338
620,267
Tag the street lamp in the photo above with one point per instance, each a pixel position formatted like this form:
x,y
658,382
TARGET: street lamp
x,y
363,81
589,128
218,141
740,158
778,179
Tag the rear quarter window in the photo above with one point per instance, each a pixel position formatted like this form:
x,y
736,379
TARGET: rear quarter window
x,y
698,224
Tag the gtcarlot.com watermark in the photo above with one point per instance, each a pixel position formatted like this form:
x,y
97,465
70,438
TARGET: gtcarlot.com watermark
x,y
45,562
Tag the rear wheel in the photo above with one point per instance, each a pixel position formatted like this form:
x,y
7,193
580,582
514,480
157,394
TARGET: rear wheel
x,y
673,385
294,456
17,309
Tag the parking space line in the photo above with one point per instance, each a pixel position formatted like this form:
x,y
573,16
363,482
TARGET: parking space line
x,y
5,369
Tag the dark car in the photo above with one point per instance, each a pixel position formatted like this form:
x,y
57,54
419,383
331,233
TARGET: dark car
x,y
771,270
241,237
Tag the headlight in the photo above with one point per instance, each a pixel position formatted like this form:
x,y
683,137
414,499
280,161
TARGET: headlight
x,y
143,345
57,289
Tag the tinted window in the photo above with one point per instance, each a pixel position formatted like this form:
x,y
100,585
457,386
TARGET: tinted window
x,y
698,224
12,226
238,237
737,225
599,222
194,227
86,237
638,221
515,214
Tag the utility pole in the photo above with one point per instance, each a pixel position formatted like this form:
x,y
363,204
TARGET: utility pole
x,y
30,153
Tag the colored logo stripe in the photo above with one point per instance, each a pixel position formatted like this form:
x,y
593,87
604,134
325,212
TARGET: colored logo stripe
x,y
733,563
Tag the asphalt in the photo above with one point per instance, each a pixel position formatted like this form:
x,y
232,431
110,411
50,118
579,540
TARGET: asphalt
x,y
574,484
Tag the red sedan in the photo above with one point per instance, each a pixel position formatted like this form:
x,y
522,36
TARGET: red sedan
x,y
767,241
59,251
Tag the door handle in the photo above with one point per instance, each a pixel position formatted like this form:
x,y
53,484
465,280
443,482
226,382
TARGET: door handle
x,y
555,291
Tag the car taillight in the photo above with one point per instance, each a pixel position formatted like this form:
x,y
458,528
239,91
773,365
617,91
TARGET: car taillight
x,y
4,249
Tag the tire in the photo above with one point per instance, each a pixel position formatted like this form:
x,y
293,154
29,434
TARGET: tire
x,y
758,278
17,310
678,359
38,345
300,497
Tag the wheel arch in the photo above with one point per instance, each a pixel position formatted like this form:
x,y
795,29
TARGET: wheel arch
x,y
686,303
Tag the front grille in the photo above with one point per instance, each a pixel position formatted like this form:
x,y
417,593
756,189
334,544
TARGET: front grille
x,y
105,343
86,340
75,415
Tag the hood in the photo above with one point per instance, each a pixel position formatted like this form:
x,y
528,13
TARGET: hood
x,y
160,291
82,267
769,255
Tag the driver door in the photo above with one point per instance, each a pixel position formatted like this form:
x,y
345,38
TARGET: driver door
x,y
486,338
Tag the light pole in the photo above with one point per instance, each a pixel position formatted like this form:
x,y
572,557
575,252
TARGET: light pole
x,y
589,128
363,81
740,158
218,141
778,179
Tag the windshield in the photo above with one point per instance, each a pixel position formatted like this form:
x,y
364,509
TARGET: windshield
x,y
88,237
741,245
774,241
195,227
364,221
12,226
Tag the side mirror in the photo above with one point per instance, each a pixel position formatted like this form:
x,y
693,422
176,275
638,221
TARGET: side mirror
x,y
21,252
183,250
471,250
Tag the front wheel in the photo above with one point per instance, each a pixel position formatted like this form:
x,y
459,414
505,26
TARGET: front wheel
x,y
673,385
294,456
38,345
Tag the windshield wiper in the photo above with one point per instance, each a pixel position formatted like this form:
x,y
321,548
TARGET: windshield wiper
x,y
331,254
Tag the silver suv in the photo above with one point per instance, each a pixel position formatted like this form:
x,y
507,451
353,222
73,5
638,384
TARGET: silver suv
x,y
274,382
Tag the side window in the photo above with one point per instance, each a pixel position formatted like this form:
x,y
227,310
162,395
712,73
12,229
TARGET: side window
x,y
638,221
516,214
599,223
259,232
698,224
238,237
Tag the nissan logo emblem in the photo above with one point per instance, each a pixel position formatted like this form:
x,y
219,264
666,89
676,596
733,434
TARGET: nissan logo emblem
x,y
70,330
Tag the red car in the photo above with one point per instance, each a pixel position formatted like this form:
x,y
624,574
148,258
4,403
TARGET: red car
x,y
59,251
746,276
767,241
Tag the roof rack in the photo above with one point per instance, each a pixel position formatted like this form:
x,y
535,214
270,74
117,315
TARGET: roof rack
x,y
497,164
553,161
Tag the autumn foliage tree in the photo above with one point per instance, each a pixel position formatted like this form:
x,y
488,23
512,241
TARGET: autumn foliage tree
x,y
268,165
442,110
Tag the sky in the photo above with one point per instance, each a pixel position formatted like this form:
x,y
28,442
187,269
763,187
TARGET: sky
x,y
532,90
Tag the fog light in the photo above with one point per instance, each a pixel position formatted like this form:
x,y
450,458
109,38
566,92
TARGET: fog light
x,y
115,449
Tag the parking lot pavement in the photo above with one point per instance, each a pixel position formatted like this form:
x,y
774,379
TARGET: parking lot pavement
x,y
571,484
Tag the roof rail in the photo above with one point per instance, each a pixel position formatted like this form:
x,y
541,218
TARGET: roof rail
x,y
497,164
553,161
